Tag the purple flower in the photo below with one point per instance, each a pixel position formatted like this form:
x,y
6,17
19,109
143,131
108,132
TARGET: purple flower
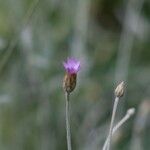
x,y
72,66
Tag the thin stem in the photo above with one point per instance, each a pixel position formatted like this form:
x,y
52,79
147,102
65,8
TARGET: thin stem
x,y
119,124
68,121
112,122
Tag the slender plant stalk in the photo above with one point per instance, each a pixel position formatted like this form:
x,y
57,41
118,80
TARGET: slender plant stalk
x,y
112,122
68,121
119,124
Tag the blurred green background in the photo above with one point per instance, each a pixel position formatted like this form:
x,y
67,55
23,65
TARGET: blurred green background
x,y
111,38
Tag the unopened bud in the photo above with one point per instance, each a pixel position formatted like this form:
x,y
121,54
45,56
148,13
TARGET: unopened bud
x,y
119,91
131,111
69,82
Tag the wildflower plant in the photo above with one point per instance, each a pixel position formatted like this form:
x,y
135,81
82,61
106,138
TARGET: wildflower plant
x,y
72,66
119,92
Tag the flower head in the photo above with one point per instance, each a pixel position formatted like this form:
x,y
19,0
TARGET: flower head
x,y
72,66
119,91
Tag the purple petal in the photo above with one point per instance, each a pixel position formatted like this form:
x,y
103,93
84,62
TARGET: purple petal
x,y
72,65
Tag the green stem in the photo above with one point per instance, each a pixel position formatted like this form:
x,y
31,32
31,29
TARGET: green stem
x,y
68,121
112,122
119,124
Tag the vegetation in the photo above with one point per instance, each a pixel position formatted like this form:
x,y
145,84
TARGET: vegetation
x,y
111,39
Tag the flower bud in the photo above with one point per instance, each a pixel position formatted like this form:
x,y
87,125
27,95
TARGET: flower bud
x,y
69,82
131,111
72,66
119,91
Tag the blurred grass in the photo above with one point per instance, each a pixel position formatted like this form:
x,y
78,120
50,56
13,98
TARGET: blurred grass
x,y
31,96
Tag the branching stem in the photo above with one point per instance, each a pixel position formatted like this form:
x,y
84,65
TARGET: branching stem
x,y
112,122
119,124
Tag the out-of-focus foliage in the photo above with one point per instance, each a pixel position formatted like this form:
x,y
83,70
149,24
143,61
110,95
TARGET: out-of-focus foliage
x,y
36,36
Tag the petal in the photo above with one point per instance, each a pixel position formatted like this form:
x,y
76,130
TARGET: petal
x,y
65,65
72,65
77,67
